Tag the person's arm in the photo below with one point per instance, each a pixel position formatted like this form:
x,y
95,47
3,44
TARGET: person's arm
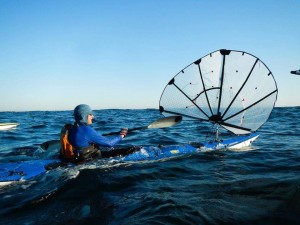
x,y
98,139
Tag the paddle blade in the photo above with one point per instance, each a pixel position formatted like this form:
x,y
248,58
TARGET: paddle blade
x,y
50,145
296,72
166,122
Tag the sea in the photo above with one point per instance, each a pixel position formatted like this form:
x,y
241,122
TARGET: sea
x,y
259,184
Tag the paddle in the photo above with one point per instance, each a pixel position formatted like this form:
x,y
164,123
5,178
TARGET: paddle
x,y
160,123
296,72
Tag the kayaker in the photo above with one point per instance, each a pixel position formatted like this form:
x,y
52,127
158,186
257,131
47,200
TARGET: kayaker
x,y
80,142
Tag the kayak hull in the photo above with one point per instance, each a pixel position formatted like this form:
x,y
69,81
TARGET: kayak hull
x,y
233,143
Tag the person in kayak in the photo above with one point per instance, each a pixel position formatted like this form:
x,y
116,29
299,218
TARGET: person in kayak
x,y
80,142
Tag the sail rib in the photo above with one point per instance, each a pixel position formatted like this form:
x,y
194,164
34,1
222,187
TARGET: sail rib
x,y
190,100
184,115
209,89
240,88
221,85
204,89
250,105
235,126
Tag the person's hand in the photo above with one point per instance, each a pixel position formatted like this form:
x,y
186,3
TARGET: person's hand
x,y
124,132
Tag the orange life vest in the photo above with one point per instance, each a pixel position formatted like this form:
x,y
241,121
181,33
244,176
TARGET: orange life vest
x,y
66,149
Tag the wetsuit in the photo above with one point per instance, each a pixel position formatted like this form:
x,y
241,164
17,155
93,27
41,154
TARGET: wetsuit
x,y
86,142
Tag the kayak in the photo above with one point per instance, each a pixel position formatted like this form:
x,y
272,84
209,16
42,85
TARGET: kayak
x,y
155,153
27,170
21,171
7,126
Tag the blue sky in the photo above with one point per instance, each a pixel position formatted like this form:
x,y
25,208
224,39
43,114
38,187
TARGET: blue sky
x,y
55,54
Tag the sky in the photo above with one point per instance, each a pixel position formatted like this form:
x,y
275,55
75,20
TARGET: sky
x,y
117,54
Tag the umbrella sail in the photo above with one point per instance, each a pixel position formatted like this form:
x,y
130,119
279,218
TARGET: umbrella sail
x,y
230,88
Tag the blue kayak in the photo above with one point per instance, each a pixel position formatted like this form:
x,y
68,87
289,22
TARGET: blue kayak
x,y
26,170
18,171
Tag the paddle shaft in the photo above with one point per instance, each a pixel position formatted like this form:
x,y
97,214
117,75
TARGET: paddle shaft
x,y
129,130
160,123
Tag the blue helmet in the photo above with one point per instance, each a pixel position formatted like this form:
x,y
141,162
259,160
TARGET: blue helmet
x,y
81,113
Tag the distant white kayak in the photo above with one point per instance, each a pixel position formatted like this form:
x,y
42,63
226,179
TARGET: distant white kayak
x,y
7,126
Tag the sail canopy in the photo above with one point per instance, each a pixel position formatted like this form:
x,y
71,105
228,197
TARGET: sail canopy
x,y
231,88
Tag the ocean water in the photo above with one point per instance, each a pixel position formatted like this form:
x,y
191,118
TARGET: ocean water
x,y
255,185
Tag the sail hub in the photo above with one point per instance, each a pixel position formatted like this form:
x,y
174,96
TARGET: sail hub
x,y
217,118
